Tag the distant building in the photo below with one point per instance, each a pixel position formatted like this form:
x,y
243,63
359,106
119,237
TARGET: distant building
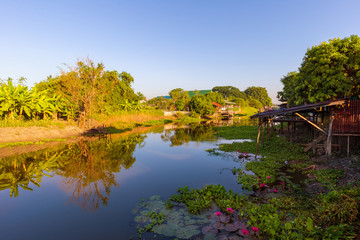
x,y
166,97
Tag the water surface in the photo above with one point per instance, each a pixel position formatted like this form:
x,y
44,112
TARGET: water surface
x,y
88,190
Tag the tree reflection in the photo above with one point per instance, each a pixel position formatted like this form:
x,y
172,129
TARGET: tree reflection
x,y
87,169
181,136
90,166
21,171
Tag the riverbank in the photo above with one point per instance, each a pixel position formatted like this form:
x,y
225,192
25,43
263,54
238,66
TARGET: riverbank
x,y
296,195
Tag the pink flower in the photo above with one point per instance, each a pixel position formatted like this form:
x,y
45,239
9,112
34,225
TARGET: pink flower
x,y
239,151
275,191
245,232
282,183
262,185
244,153
255,229
218,214
268,177
230,209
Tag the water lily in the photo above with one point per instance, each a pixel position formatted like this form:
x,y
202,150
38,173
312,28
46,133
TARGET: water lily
x,y
262,185
275,191
245,232
255,229
230,210
218,214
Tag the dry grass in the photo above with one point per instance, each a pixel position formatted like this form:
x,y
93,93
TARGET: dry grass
x,y
128,119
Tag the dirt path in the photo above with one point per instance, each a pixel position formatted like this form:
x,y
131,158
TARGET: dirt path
x,y
68,134
33,134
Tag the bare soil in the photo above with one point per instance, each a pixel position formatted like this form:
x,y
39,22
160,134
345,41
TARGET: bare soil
x,y
36,134
33,134
350,166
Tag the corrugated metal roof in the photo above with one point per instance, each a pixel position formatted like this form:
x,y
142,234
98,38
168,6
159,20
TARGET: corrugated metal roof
x,y
216,104
199,92
300,108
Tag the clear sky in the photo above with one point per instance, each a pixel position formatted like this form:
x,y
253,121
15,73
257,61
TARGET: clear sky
x,y
166,44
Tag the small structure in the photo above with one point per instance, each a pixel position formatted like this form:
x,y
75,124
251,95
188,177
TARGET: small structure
x,y
223,110
331,119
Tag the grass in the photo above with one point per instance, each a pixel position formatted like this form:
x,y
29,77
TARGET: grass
x,y
42,141
275,152
32,123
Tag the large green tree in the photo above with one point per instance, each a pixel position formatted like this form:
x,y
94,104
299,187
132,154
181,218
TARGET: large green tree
x,y
260,94
180,98
229,91
201,105
328,71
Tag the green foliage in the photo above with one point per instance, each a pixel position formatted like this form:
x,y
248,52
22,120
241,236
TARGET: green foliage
x,y
274,153
197,200
328,177
215,97
17,102
329,71
246,180
237,132
180,104
201,105
155,219
229,91
252,102
260,94
338,206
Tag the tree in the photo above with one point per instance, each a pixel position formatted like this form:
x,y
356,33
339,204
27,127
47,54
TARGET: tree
x,y
260,94
201,105
215,97
288,94
329,71
82,82
229,91
179,97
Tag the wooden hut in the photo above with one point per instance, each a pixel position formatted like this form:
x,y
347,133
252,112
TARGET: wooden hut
x,y
328,120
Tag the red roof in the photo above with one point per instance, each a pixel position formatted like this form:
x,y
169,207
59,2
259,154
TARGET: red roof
x,y
216,104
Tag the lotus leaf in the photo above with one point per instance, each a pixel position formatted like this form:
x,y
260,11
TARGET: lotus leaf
x,y
187,232
231,227
208,229
240,225
218,226
210,236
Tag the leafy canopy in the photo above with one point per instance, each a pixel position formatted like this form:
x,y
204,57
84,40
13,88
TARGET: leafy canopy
x,y
328,71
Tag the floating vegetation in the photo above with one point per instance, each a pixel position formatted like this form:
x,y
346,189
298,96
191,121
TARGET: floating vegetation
x,y
174,222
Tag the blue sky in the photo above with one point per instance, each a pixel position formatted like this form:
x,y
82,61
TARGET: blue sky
x,y
166,44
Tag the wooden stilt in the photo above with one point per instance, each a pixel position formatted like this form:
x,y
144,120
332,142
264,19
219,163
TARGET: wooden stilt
x,y
348,147
262,137
329,137
257,141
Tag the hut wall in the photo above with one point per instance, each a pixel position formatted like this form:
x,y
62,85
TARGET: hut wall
x,y
347,118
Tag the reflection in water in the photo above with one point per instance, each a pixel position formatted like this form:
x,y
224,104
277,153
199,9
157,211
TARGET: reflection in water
x,y
185,135
25,169
87,169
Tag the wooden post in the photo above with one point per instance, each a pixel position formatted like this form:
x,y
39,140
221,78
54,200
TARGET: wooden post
x,y
258,137
348,146
329,137
262,137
